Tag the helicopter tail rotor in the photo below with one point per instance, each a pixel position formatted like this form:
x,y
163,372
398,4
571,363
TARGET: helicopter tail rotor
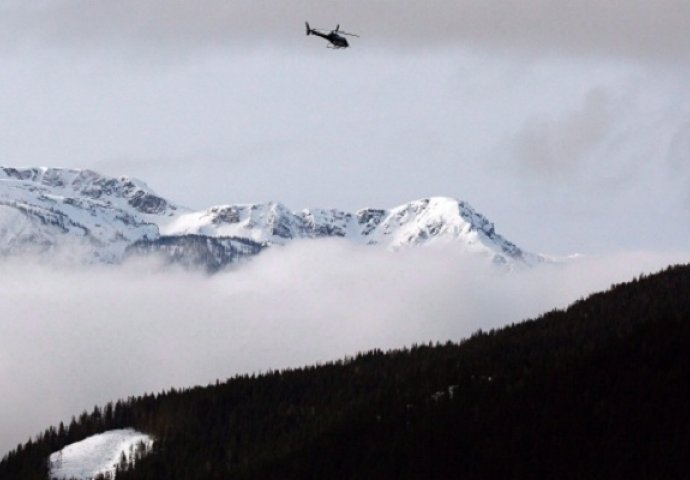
x,y
308,29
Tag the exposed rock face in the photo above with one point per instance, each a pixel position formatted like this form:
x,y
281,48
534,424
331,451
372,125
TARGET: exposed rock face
x,y
197,250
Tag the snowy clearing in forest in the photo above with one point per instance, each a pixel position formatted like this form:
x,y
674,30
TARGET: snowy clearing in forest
x,y
98,454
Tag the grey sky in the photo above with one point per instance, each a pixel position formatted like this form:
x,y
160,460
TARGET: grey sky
x,y
631,28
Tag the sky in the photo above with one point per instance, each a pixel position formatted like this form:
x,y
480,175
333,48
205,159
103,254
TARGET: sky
x,y
565,123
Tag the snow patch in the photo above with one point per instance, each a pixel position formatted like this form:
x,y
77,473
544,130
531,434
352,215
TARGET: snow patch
x,y
98,454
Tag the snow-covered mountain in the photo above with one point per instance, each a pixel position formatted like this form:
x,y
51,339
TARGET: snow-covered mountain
x,y
107,219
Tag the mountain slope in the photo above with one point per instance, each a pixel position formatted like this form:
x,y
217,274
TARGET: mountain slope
x,y
108,219
595,391
43,209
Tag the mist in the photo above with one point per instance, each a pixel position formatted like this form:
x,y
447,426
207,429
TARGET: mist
x,y
72,337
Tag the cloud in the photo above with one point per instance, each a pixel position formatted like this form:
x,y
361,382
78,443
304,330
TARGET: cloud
x,y
633,29
562,145
679,150
72,337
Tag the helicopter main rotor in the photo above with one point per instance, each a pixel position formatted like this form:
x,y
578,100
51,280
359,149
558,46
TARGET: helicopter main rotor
x,y
340,32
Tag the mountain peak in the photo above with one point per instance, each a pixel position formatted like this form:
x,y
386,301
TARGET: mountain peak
x,y
75,183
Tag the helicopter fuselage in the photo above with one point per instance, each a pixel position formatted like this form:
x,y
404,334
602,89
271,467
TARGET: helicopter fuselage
x,y
337,40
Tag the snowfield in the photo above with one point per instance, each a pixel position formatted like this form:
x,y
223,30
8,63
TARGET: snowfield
x,y
96,455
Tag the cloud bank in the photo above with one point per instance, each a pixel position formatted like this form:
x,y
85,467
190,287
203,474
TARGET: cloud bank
x,y
72,337
633,29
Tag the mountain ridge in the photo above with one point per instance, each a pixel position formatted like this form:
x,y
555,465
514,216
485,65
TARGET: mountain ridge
x,y
113,218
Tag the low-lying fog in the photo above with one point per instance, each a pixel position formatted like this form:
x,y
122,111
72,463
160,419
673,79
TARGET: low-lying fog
x,y
74,337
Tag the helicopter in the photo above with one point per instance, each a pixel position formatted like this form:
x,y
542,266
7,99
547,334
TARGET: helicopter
x,y
335,38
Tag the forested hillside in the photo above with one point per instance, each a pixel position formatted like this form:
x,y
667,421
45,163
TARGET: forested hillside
x,y
599,390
